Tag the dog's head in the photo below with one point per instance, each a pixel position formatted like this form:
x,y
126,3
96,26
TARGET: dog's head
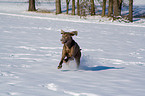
x,y
67,36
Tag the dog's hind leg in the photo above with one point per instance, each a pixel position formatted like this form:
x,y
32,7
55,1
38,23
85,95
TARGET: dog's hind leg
x,y
77,58
77,62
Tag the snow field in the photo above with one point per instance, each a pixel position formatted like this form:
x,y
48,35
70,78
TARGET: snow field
x,y
112,62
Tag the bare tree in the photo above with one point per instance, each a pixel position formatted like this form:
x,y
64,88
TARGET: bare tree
x,y
131,10
32,5
85,8
120,6
78,7
103,8
67,6
110,8
73,7
92,7
58,6
116,7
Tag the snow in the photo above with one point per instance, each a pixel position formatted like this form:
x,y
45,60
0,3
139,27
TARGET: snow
x,y
112,63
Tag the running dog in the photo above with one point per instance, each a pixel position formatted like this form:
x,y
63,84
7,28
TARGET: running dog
x,y
71,49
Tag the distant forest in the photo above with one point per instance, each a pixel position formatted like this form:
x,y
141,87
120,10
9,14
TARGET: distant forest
x,y
83,7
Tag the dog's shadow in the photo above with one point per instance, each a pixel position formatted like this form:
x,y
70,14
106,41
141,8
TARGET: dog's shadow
x,y
87,60
98,68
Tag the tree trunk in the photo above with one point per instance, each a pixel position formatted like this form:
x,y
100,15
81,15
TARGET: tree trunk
x,y
58,6
120,7
32,5
110,8
131,10
92,8
67,6
73,7
78,7
104,8
115,7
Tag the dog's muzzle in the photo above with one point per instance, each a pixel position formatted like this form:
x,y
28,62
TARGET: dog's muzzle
x,y
63,41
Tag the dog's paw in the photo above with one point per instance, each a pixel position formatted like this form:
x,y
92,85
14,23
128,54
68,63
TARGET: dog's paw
x,y
65,60
59,67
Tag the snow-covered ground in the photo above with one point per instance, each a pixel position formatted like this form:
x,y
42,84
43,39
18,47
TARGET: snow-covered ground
x,y
112,63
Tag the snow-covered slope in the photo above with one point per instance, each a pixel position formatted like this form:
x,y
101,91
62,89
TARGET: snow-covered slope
x,y
112,63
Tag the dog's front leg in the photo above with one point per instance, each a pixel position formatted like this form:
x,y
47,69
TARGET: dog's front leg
x,y
62,58
60,64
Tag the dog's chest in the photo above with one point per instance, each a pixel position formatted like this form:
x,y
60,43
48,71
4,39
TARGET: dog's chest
x,y
67,49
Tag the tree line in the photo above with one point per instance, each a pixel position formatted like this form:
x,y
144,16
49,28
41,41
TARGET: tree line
x,y
84,7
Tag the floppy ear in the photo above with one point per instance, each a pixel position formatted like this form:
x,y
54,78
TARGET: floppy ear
x,y
62,32
74,33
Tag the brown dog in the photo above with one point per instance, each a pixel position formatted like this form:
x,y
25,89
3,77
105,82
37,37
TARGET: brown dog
x,y
71,49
